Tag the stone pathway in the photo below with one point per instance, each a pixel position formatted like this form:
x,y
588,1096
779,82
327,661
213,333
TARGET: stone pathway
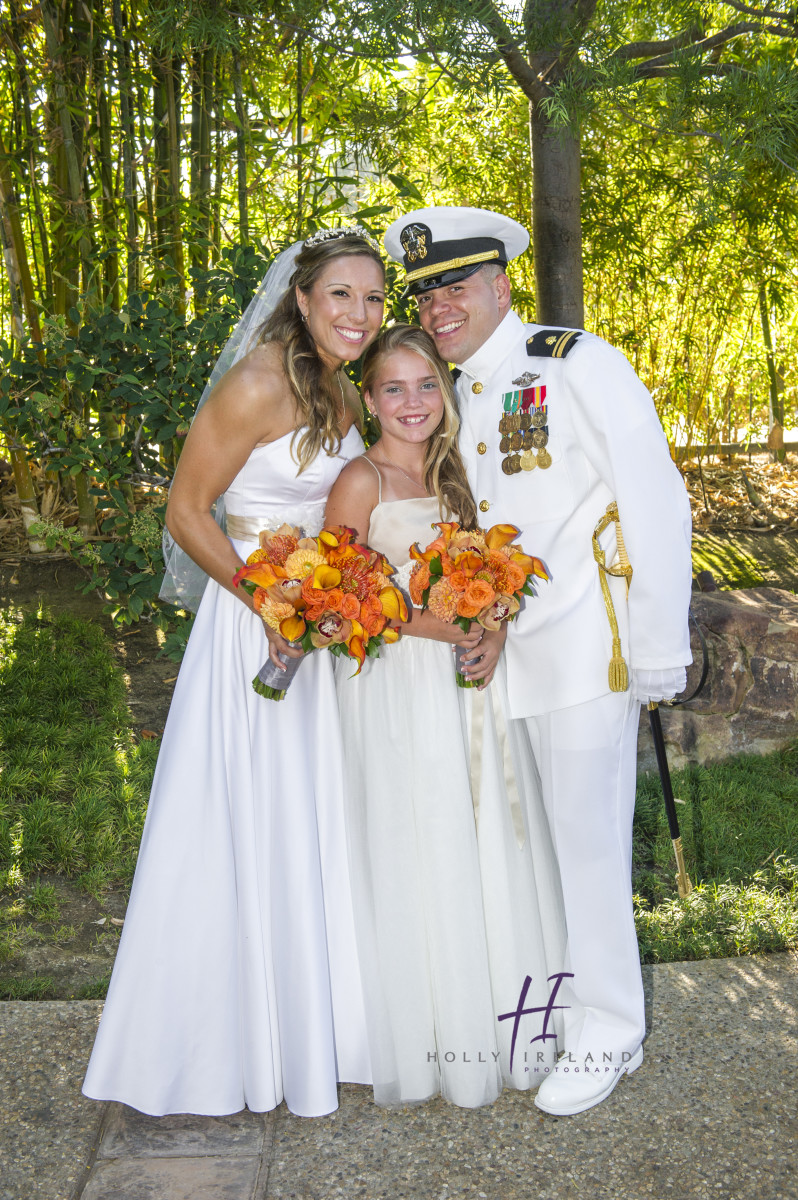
x,y
712,1113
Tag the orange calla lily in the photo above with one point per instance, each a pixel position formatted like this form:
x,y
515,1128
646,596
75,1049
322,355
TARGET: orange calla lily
x,y
469,562
391,635
293,628
357,649
393,604
263,574
326,577
500,535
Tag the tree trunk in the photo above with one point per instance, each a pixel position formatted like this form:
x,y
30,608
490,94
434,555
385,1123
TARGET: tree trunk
x,y
128,148
72,218
241,149
775,401
26,491
173,125
160,142
104,158
35,196
14,248
556,222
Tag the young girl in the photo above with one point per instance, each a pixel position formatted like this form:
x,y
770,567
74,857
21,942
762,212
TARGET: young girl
x,y
446,910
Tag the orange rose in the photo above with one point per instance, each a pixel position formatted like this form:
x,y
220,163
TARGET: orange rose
x,y
335,599
480,593
350,605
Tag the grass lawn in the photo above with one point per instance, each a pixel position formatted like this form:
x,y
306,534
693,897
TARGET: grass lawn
x,y
74,783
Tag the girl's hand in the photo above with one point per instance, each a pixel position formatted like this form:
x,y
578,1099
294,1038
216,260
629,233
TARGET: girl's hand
x,y
483,659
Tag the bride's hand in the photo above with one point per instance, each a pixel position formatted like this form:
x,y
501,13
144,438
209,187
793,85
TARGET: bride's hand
x,y
278,645
484,654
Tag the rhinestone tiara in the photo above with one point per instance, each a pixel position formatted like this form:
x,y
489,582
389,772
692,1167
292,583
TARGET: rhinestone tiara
x,y
326,235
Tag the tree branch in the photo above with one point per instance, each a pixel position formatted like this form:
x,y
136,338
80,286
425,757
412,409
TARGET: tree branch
x,y
703,46
709,70
768,14
514,60
644,49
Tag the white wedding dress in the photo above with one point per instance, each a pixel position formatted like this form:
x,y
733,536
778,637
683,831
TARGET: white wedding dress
x,y
452,911
236,982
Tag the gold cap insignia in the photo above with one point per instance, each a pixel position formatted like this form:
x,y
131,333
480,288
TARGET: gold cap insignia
x,y
414,241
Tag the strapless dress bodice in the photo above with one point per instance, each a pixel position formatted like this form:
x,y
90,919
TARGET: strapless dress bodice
x,y
268,490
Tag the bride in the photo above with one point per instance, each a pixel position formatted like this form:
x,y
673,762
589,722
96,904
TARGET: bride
x,y
236,982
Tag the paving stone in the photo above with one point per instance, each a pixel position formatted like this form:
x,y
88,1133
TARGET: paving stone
x,y
204,1178
48,1130
711,1113
131,1134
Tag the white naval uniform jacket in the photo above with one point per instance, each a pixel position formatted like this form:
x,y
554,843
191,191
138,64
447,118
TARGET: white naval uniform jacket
x,y
606,444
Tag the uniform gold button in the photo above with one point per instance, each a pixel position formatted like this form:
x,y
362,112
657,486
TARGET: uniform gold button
x,y
481,448
476,388
484,506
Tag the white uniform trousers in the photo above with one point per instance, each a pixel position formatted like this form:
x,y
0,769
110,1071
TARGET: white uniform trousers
x,y
580,763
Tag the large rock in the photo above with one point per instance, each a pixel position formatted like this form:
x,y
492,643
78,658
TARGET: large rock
x,y
750,701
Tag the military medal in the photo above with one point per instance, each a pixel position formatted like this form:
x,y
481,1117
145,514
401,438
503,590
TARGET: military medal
x,y
524,428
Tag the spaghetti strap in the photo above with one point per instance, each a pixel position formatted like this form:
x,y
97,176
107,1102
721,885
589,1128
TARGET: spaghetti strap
x,y
379,477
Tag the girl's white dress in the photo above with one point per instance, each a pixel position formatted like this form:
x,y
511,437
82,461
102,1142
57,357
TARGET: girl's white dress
x,y
236,982
454,907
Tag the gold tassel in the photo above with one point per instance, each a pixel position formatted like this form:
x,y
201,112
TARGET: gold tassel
x,y
618,670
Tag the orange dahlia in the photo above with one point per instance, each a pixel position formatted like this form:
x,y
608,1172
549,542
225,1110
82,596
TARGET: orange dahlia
x,y
443,601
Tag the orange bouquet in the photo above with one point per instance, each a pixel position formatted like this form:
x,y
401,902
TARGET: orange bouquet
x,y
325,591
473,575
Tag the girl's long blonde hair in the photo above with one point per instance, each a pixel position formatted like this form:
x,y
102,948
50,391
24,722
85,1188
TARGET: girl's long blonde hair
x,y
444,471
316,391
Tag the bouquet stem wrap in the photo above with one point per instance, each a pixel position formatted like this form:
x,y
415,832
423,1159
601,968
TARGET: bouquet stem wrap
x,y
271,682
459,655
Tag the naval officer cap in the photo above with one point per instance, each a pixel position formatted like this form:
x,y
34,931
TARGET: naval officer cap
x,y
443,245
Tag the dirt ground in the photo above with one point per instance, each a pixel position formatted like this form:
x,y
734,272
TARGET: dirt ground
x,y
71,955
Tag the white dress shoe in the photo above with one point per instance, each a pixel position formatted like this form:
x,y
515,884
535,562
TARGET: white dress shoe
x,y
575,1085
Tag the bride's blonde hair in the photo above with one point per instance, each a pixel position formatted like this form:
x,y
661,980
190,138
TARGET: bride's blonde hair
x,y
316,391
444,471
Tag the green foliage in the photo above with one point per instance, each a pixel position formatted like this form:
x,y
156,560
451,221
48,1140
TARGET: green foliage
x,y
73,782
112,399
739,827
722,920
33,987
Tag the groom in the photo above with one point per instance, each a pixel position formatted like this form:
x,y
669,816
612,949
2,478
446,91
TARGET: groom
x,y
561,439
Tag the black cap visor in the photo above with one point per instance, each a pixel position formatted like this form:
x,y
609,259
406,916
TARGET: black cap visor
x,y
454,276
